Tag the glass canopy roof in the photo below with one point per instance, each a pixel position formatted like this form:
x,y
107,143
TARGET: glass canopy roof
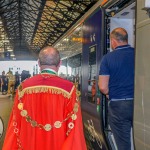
x,y
28,25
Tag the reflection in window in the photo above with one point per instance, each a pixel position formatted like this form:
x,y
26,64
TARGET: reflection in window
x,y
92,75
64,71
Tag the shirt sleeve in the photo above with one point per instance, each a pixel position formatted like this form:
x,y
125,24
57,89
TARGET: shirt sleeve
x,y
104,70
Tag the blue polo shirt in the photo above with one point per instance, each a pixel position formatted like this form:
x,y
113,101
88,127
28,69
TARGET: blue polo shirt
x,y
119,65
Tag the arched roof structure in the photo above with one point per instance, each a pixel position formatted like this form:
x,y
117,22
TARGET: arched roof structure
x,y
28,25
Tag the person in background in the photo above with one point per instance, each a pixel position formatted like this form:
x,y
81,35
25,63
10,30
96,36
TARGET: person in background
x,y
4,83
93,90
77,81
17,79
116,79
24,75
11,82
46,113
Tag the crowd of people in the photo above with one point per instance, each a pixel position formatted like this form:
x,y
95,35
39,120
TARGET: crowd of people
x,y
9,81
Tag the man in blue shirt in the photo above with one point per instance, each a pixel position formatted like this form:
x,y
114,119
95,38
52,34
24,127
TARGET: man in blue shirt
x,y
116,79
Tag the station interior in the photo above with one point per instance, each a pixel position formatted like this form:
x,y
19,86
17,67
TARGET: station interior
x,y
27,26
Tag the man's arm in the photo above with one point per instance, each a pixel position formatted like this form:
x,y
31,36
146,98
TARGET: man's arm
x,y
103,84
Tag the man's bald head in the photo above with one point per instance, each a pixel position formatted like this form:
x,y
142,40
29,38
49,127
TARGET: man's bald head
x,y
118,37
49,56
120,34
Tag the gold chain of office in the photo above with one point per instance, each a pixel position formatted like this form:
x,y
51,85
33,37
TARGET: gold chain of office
x,y
46,127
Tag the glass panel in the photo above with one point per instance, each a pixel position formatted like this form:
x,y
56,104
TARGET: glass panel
x,y
1,127
92,75
74,63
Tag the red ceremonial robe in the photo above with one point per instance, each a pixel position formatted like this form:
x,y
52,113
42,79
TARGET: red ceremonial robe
x,y
46,116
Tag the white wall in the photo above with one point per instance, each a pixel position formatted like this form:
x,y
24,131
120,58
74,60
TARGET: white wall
x,y
127,24
63,70
23,65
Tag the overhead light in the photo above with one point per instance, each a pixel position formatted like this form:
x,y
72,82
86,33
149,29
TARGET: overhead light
x,y
12,55
9,50
78,28
1,50
112,9
6,41
66,39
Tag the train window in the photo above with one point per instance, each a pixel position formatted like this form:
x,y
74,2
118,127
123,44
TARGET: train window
x,y
63,70
92,75
74,63
1,127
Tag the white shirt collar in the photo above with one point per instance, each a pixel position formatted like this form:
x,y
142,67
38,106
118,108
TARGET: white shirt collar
x,y
50,70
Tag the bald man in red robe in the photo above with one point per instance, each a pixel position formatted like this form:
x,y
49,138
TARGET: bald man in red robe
x,y
46,113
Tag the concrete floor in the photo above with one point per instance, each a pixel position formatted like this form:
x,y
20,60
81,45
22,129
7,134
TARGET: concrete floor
x,y
6,103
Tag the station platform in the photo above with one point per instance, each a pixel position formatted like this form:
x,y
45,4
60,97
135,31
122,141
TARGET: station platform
x,y
4,96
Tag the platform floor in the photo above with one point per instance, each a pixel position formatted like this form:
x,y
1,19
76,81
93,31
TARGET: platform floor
x,y
6,103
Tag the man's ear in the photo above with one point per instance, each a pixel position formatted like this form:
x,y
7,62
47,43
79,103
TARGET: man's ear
x,y
114,43
60,63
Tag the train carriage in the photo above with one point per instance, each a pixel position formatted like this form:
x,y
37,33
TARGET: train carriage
x,y
95,29
89,41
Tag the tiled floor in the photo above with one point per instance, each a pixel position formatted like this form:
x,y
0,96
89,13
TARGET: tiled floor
x,y
6,103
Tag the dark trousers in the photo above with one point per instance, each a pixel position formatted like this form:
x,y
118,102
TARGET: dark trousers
x,y
121,120
4,88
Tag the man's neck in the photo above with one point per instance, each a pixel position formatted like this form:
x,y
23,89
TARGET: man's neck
x,y
52,68
121,44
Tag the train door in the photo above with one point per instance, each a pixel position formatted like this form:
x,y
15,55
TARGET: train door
x,y
142,77
92,75
90,102
118,15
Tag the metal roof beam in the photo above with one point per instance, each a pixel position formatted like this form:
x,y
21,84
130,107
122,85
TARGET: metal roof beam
x,y
39,18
